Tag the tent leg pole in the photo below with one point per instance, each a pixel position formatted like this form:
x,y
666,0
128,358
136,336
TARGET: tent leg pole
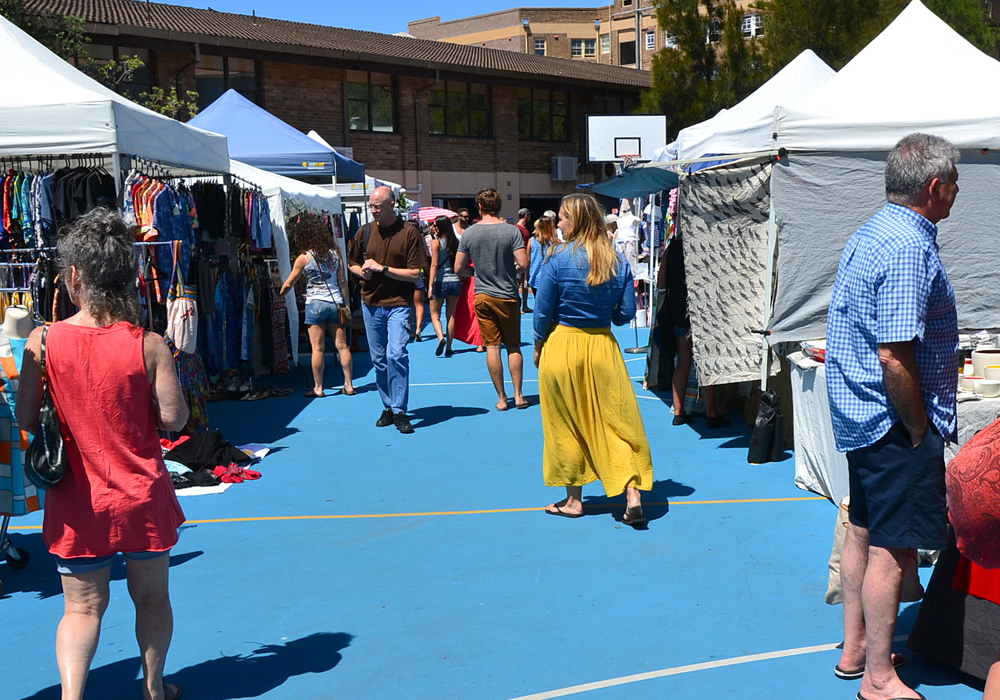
x,y
772,244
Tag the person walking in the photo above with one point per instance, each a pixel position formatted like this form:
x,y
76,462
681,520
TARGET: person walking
x,y
892,347
543,239
387,255
446,285
590,417
497,251
523,221
328,311
113,385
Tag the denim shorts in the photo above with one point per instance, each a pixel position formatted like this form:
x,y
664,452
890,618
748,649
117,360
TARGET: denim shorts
x,y
319,312
87,565
447,289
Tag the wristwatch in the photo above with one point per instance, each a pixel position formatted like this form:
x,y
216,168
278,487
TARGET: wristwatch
x,y
385,269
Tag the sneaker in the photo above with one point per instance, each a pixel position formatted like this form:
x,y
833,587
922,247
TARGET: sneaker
x,y
402,423
385,419
681,419
717,422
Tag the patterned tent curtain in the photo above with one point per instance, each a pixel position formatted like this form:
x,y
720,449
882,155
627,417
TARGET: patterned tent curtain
x,y
723,220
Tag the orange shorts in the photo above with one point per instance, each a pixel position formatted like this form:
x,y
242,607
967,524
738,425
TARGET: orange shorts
x,y
499,321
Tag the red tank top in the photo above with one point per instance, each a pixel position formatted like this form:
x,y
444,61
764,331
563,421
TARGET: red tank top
x,y
116,495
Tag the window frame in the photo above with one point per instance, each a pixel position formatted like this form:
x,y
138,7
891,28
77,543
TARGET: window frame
x,y
543,44
590,48
608,38
369,100
470,110
116,55
258,95
635,53
649,40
553,115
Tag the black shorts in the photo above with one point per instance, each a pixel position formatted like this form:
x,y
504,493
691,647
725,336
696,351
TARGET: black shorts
x,y
898,491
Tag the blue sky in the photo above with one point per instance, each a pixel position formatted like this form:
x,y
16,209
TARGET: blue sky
x,y
388,16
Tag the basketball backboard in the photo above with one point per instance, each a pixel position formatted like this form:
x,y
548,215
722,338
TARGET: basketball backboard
x,y
611,137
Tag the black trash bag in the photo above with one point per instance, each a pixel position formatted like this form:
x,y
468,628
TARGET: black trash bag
x,y
767,444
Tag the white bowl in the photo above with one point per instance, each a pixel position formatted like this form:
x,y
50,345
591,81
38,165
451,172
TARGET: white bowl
x,y
992,372
969,383
989,388
981,358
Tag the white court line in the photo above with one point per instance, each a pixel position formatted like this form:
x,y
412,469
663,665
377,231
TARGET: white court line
x,y
721,663
637,359
690,668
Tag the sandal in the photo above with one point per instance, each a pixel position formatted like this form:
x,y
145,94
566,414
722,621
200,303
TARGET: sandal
x,y
171,692
633,516
345,392
313,395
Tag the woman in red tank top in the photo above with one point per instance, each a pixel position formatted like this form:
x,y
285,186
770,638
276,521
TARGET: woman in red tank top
x,y
113,385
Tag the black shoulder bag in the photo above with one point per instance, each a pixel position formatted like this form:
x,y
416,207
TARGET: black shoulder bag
x,y
45,461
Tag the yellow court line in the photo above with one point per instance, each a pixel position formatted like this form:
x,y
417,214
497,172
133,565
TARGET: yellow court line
x,y
465,512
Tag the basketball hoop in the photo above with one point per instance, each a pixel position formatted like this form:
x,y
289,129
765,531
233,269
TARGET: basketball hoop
x,y
629,159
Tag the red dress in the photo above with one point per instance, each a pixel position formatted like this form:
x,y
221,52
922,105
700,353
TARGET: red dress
x,y
116,495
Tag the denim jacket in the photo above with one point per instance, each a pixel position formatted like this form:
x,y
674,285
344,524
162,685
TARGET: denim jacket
x,y
564,298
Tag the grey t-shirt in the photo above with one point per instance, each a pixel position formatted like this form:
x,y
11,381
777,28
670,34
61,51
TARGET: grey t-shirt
x,y
491,247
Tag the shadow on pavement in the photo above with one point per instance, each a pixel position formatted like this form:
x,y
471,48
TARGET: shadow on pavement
x,y
427,416
225,678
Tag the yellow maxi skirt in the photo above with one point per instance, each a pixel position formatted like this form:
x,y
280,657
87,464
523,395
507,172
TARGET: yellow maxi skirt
x,y
590,416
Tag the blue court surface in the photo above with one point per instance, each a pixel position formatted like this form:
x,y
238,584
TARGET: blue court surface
x,y
370,564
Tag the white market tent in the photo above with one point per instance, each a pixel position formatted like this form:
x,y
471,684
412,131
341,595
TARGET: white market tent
x,y
833,180
285,198
748,126
48,107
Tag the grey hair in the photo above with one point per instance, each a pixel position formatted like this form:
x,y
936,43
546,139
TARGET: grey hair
x,y
99,246
914,162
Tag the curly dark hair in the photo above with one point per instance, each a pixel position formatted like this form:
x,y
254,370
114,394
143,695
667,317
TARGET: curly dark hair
x,y
310,234
100,246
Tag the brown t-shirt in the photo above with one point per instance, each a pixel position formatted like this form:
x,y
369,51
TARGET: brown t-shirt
x,y
398,245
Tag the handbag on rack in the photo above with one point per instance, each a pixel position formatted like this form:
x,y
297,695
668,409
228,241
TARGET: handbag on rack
x,y
45,461
182,308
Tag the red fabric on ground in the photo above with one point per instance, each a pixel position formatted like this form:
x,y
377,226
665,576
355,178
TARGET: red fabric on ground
x,y
466,323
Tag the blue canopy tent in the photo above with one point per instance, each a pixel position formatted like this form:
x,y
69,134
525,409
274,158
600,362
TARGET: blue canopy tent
x,y
633,182
259,138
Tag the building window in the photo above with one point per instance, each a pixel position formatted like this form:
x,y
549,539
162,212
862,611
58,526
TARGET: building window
x,y
626,53
605,43
669,40
589,48
369,101
753,26
215,74
539,47
101,54
542,115
650,40
457,108
576,48
626,3
713,31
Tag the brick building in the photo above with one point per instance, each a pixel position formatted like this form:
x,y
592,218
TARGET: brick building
x,y
621,33
443,120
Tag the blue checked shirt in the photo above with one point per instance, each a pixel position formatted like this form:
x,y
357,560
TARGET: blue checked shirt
x,y
891,287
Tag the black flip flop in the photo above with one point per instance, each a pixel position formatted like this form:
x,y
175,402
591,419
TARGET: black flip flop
x,y
527,402
313,395
898,661
563,513
633,516
440,348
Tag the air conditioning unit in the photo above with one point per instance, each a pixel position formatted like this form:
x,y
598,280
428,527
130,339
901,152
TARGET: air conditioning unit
x,y
564,169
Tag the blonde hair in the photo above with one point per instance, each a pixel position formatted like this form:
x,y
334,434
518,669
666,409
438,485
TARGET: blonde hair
x,y
589,230
545,231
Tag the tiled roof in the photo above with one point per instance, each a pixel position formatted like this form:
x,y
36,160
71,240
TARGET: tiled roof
x,y
135,18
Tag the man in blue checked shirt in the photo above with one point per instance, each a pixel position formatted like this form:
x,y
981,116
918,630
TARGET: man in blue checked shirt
x,y
892,343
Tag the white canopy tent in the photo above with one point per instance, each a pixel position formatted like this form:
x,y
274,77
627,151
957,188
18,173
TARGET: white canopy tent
x,y
749,125
49,108
891,89
835,182
285,198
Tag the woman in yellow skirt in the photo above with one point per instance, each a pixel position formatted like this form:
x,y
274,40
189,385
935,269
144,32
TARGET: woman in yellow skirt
x,y
590,416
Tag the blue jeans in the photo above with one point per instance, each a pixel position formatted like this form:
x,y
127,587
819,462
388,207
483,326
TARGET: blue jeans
x,y
388,331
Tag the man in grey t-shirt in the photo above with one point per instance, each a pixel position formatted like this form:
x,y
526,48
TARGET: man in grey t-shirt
x,y
497,250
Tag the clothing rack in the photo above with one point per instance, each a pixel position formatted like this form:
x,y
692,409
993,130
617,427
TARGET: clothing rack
x,y
81,160
156,170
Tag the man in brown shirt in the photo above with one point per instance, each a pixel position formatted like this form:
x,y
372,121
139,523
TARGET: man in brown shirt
x,y
387,255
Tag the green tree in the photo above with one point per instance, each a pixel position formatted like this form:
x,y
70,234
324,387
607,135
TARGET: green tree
x,y
710,67
838,29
